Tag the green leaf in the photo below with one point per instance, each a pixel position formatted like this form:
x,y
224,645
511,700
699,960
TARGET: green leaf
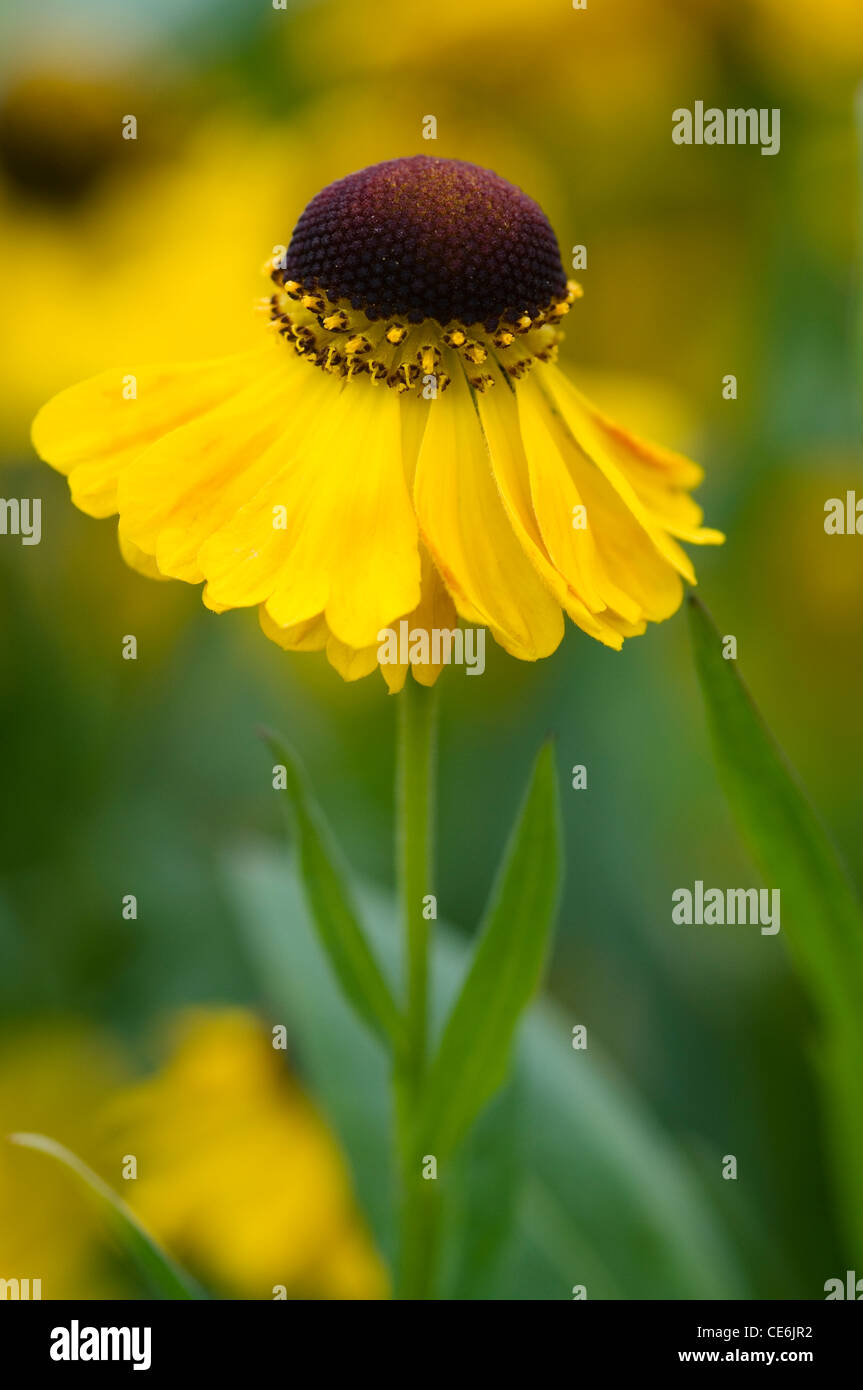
x,y
473,1057
158,1270
349,1071
824,922
481,1193
603,1195
821,912
332,911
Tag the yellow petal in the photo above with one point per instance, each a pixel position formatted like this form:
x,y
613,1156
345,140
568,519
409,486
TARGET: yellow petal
x,y
350,544
609,452
626,538
352,665
414,416
662,479
181,489
395,677
628,554
434,613
92,432
673,508
470,537
310,636
137,559
504,433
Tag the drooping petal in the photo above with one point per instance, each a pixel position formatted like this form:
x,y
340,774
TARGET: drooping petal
x,y
662,479
469,534
193,480
435,613
629,555
507,440
138,559
351,664
349,544
561,511
310,636
610,450
93,431
674,509
635,552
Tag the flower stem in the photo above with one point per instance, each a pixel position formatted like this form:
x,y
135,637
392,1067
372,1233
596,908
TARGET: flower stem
x,y
414,816
414,810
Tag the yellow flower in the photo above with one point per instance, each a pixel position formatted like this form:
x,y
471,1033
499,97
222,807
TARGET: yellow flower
x,y
53,1078
237,1174
133,217
385,455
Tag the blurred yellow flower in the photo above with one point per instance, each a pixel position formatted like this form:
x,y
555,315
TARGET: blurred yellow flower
x,y
53,1078
811,47
112,244
238,1176
347,512
628,47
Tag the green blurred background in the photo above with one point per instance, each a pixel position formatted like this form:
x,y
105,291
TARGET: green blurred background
x,y
146,777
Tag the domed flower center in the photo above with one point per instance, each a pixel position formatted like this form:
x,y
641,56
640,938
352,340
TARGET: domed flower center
x,y
426,238
397,266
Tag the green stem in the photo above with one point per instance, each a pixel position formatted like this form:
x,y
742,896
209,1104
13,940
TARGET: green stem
x,y
414,811
414,816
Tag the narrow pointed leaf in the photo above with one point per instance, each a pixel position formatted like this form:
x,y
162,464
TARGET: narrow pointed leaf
x,y
331,908
158,1270
473,1058
821,913
629,1204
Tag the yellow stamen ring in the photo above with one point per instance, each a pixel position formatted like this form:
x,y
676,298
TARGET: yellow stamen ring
x,y
406,355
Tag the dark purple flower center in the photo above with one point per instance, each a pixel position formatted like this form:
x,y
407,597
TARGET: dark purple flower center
x,y
428,238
